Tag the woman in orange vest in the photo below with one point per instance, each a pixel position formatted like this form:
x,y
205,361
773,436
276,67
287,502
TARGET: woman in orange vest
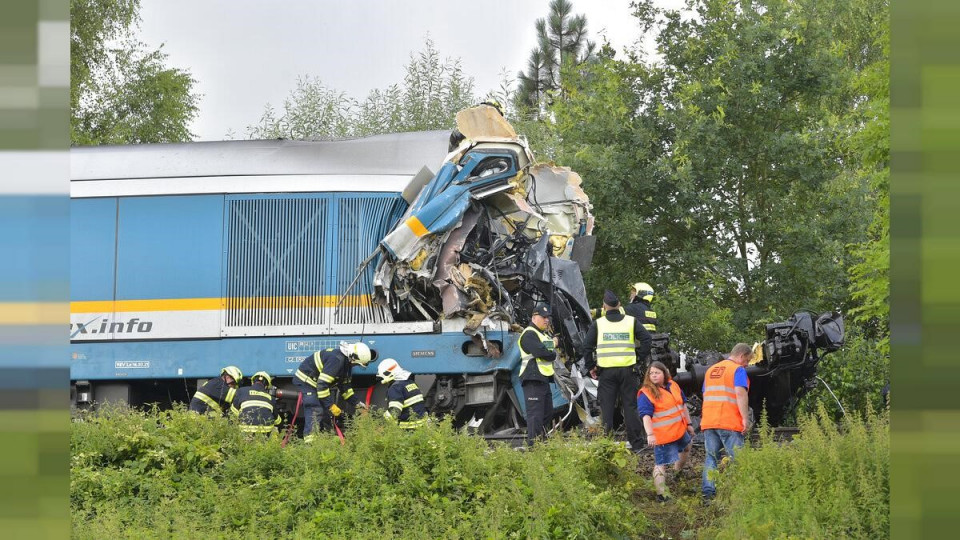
x,y
661,405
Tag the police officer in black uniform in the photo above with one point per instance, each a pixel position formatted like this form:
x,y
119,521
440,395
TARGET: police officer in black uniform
x,y
610,354
537,353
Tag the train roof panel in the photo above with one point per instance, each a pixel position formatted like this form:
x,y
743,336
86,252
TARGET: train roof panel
x,y
391,154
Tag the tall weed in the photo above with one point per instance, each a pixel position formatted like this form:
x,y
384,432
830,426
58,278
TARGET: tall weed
x,y
173,474
830,482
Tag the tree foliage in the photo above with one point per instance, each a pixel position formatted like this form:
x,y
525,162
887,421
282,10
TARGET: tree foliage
x,y
432,91
121,92
726,167
561,41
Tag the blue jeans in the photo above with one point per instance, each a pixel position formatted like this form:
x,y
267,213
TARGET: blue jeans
x,y
713,441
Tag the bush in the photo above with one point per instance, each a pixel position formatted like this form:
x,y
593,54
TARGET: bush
x,y
173,474
857,374
830,482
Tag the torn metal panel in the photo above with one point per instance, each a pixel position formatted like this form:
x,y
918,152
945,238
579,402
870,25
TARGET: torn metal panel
x,y
491,234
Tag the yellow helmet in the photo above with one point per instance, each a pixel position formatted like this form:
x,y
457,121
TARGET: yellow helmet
x,y
262,375
644,290
232,371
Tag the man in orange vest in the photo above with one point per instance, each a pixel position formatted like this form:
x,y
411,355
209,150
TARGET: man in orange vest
x,y
724,420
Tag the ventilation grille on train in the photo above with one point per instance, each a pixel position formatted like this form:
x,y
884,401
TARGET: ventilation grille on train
x,y
289,259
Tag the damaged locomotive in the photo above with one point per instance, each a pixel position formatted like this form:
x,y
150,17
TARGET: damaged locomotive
x,y
486,238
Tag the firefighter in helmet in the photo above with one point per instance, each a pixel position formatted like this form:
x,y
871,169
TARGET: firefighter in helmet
x,y
405,401
320,372
256,407
217,394
641,295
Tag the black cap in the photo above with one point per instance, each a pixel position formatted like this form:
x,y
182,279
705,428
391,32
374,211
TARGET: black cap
x,y
542,310
610,299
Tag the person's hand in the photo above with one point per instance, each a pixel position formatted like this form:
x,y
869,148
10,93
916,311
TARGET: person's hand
x,y
691,430
335,411
651,440
746,426
593,373
362,409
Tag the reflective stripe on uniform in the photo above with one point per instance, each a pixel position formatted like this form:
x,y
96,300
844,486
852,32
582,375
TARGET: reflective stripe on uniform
x,y
306,378
256,429
325,378
411,424
212,403
415,399
348,393
254,403
667,422
395,405
323,393
719,398
667,412
230,394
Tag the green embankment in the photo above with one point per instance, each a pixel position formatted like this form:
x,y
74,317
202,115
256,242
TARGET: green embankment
x,y
173,475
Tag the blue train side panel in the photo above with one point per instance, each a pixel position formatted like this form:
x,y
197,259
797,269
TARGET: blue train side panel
x,y
93,241
190,359
169,247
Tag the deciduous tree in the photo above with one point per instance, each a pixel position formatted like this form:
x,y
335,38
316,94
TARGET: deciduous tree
x,y
121,91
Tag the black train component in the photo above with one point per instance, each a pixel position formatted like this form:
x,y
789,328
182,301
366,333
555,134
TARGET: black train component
x,y
791,351
660,352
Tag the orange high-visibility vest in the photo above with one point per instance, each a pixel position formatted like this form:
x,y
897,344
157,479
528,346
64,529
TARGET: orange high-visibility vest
x,y
720,409
668,422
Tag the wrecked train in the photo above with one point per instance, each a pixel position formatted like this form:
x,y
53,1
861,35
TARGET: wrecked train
x,y
188,257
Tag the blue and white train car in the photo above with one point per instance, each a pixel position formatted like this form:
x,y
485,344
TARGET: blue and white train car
x,y
189,257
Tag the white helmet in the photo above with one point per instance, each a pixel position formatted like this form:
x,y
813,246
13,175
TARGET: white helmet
x,y
358,353
386,370
390,370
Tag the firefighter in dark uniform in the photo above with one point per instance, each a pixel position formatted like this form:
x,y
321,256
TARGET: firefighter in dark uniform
x,y
535,375
641,295
255,407
320,372
404,399
217,394
610,354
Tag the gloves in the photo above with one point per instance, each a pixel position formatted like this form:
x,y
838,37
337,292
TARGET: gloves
x,y
335,411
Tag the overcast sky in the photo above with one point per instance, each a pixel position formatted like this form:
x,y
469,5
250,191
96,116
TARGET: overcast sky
x,y
246,53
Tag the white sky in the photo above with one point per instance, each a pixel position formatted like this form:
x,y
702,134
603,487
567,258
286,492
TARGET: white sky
x,y
246,53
